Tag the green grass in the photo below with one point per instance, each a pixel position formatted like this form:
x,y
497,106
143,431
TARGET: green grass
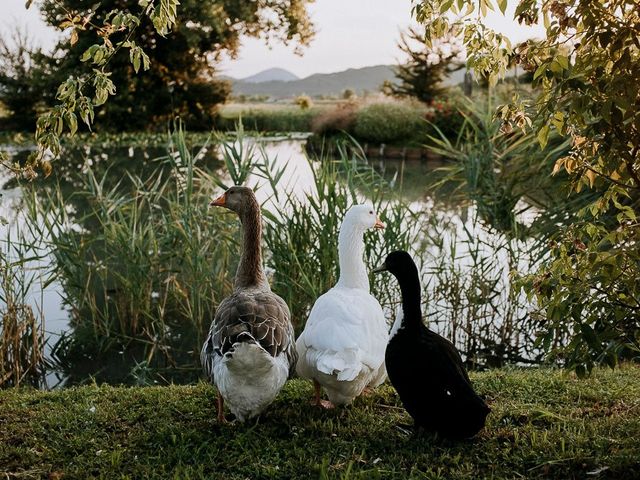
x,y
544,424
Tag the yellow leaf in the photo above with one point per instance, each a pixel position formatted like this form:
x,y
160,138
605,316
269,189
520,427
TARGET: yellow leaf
x,y
46,168
590,174
74,37
578,140
558,165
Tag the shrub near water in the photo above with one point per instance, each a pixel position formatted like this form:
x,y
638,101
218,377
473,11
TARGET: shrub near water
x,y
388,122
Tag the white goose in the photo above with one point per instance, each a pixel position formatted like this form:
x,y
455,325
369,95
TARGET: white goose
x,y
343,343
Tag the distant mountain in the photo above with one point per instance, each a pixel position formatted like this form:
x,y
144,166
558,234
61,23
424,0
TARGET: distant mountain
x,y
356,79
271,75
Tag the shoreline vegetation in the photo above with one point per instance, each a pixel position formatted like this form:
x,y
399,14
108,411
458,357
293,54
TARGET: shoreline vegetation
x,y
143,320
545,423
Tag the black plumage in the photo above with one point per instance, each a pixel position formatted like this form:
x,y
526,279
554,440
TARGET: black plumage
x,y
426,369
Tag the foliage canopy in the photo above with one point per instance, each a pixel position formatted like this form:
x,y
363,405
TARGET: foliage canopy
x,y
111,43
586,69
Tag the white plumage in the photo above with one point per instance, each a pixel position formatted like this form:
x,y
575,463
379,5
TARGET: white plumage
x,y
250,378
343,343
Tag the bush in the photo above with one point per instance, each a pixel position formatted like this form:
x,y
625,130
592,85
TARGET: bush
x,y
143,265
340,119
446,116
304,102
389,123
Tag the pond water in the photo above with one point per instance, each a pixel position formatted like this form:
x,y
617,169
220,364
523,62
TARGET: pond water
x,y
457,238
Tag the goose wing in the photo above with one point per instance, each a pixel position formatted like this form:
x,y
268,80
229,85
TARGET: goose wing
x,y
262,318
444,363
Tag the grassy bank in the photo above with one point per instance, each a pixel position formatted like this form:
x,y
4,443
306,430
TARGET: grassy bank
x,y
544,424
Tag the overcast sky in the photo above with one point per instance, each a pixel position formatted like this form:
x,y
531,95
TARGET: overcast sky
x,y
350,34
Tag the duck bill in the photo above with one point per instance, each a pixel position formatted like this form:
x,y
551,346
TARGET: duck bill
x,y
378,225
380,268
220,201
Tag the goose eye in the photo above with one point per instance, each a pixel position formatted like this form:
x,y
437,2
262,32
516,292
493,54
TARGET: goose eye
x,y
370,212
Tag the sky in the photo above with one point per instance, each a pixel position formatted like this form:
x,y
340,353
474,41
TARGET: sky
x,y
350,34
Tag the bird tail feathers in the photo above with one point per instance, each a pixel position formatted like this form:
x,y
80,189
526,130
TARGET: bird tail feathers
x,y
344,364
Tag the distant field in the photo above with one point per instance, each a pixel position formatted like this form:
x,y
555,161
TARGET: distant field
x,y
544,424
234,109
278,117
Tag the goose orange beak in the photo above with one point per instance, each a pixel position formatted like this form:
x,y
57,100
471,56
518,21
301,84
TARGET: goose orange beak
x,y
220,201
379,225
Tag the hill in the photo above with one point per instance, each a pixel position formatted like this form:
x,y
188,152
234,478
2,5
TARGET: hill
x,y
544,424
356,79
271,75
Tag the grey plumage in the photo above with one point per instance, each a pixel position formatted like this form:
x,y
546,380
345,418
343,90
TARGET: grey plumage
x,y
250,349
261,317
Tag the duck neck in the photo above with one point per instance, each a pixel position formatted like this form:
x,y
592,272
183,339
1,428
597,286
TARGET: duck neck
x,y
250,272
353,273
411,298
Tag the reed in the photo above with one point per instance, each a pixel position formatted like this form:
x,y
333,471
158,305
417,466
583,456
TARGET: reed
x,y
510,205
142,262
21,329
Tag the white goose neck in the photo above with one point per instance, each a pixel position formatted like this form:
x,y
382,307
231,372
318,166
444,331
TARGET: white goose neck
x,y
353,272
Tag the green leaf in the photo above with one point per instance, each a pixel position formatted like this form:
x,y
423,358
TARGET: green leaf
x,y
590,336
502,5
558,121
446,6
136,61
563,61
581,371
88,53
543,136
483,7
540,70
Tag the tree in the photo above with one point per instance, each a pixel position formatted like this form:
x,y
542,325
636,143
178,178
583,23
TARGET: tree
x,y
181,81
119,31
421,76
20,82
587,69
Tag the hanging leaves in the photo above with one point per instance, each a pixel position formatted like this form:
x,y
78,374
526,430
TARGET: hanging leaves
x,y
586,71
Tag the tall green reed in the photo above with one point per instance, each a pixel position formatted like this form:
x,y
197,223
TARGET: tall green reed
x,y
142,262
511,204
